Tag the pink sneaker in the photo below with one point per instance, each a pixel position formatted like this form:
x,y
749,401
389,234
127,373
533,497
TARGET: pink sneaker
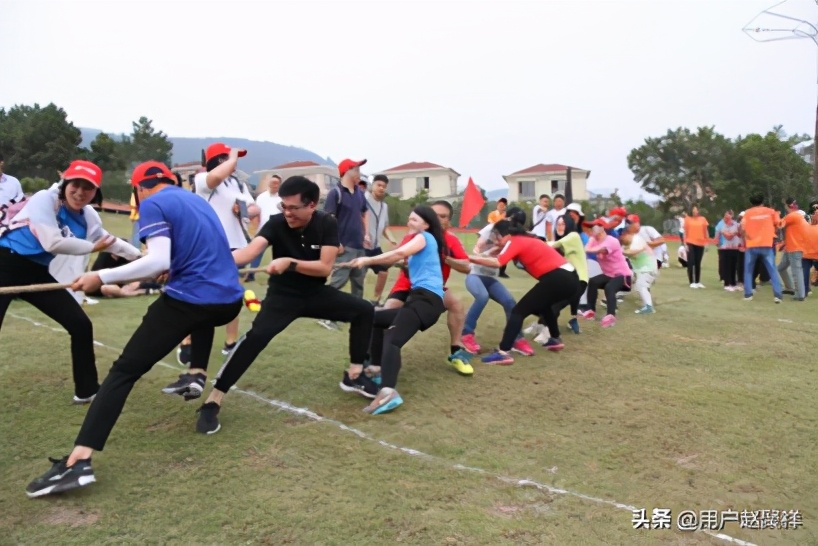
x,y
523,347
608,321
590,315
470,344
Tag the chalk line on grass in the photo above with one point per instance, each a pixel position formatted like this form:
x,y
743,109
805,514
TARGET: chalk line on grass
x,y
309,414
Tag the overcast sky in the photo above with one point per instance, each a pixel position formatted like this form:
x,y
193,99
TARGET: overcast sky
x,y
487,88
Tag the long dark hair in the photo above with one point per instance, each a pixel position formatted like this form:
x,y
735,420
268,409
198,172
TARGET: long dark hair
x,y
428,215
570,226
514,224
97,200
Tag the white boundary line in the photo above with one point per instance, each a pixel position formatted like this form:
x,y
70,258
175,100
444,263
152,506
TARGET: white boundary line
x,y
309,414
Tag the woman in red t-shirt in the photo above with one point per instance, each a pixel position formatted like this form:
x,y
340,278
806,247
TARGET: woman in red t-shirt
x,y
557,282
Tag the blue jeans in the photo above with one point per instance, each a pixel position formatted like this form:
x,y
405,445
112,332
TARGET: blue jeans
x,y
484,288
767,256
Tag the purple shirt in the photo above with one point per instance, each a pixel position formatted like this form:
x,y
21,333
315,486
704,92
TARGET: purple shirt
x,y
349,214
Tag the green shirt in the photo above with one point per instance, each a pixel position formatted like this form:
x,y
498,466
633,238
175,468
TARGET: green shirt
x,y
574,251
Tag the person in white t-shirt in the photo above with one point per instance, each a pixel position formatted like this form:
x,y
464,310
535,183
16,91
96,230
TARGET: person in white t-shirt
x,y
268,199
638,249
10,189
377,212
553,214
225,192
651,236
538,216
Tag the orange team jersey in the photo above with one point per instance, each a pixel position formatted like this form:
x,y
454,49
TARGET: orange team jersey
x,y
537,257
795,226
759,225
810,240
454,248
696,230
495,216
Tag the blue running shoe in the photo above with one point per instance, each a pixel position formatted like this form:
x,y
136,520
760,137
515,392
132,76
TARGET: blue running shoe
x,y
573,324
387,400
498,358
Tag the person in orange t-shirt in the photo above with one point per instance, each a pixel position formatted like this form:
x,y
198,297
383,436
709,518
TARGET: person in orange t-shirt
x,y
494,217
794,225
759,225
695,227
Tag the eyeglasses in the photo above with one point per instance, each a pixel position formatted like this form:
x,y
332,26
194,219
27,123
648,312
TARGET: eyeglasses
x,y
291,208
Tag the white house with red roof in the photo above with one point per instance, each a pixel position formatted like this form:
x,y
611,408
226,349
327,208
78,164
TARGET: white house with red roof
x,y
326,176
405,181
529,184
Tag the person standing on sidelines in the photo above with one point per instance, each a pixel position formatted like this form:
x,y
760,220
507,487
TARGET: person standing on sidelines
x,y
695,229
759,225
538,216
183,236
228,196
55,222
305,246
346,202
378,226
553,214
11,191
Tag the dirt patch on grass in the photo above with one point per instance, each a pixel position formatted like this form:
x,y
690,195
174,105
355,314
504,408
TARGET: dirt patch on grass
x,y
74,517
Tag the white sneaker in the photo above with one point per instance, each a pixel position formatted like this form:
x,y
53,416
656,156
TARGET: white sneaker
x,y
699,285
694,285
533,328
542,337
328,324
90,301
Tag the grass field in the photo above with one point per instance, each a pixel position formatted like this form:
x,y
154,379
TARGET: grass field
x,y
707,405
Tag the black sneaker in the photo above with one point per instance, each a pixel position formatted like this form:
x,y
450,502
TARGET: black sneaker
x,y
189,386
361,385
62,478
208,421
228,347
183,355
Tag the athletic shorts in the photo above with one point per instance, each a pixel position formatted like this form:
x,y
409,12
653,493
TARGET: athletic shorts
x,y
371,253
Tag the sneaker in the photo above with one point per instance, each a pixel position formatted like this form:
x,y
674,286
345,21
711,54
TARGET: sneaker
x,y
554,344
533,328
62,478
228,347
461,362
543,337
470,344
608,321
183,355
386,400
777,300
80,401
328,324
590,314
498,358
90,301
373,373
694,285
361,385
573,324
208,421
646,310
523,347
748,298
189,386
699,285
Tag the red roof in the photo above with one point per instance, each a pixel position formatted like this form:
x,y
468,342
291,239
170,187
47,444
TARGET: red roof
x,y
541,168
415,166
295,164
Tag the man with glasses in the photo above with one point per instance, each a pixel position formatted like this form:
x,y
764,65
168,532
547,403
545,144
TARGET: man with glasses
x,y
346,202
305,247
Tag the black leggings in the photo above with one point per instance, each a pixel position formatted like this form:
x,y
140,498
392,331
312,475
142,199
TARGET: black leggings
x,y
393,328
573,303
695,253
730,258
553,287
611,285
167,322
58,305
279,310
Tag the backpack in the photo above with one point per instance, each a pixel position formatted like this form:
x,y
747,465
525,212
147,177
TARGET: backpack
x,y
7,214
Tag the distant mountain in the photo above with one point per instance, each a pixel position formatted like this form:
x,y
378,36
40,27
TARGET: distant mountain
x,y
494,195
260,155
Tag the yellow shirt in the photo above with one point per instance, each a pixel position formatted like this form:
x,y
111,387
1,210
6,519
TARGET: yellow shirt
x,y
134,209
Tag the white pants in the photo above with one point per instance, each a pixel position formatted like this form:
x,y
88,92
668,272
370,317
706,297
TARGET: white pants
x,y
642,286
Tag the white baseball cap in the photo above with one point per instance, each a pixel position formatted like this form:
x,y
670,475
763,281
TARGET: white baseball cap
x,y
575,207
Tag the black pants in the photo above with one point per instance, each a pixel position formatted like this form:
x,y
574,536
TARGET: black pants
x,y
393,328
573,303
695,253
58,305
721,264
730,257
611,285
553,287
502,272
740,267
167,322
279,310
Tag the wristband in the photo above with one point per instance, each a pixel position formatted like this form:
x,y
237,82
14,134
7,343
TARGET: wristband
x,y
292,266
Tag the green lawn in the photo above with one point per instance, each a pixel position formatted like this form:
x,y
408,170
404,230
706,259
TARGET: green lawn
x,y
707,405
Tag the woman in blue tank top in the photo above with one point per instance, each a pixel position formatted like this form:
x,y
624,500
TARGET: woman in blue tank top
x,y
393,328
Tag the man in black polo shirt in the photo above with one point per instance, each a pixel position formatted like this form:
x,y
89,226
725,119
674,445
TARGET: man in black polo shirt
x,y
305,245
347,203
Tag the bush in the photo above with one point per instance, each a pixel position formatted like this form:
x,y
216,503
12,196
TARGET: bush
x,y
33,185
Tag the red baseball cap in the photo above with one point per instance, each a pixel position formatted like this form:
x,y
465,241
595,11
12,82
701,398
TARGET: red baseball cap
x,y
597,222
348,164
618,211
84,170
219,148
632,219
151,170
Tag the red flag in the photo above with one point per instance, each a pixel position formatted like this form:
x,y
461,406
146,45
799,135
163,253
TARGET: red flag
x,y
473,202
